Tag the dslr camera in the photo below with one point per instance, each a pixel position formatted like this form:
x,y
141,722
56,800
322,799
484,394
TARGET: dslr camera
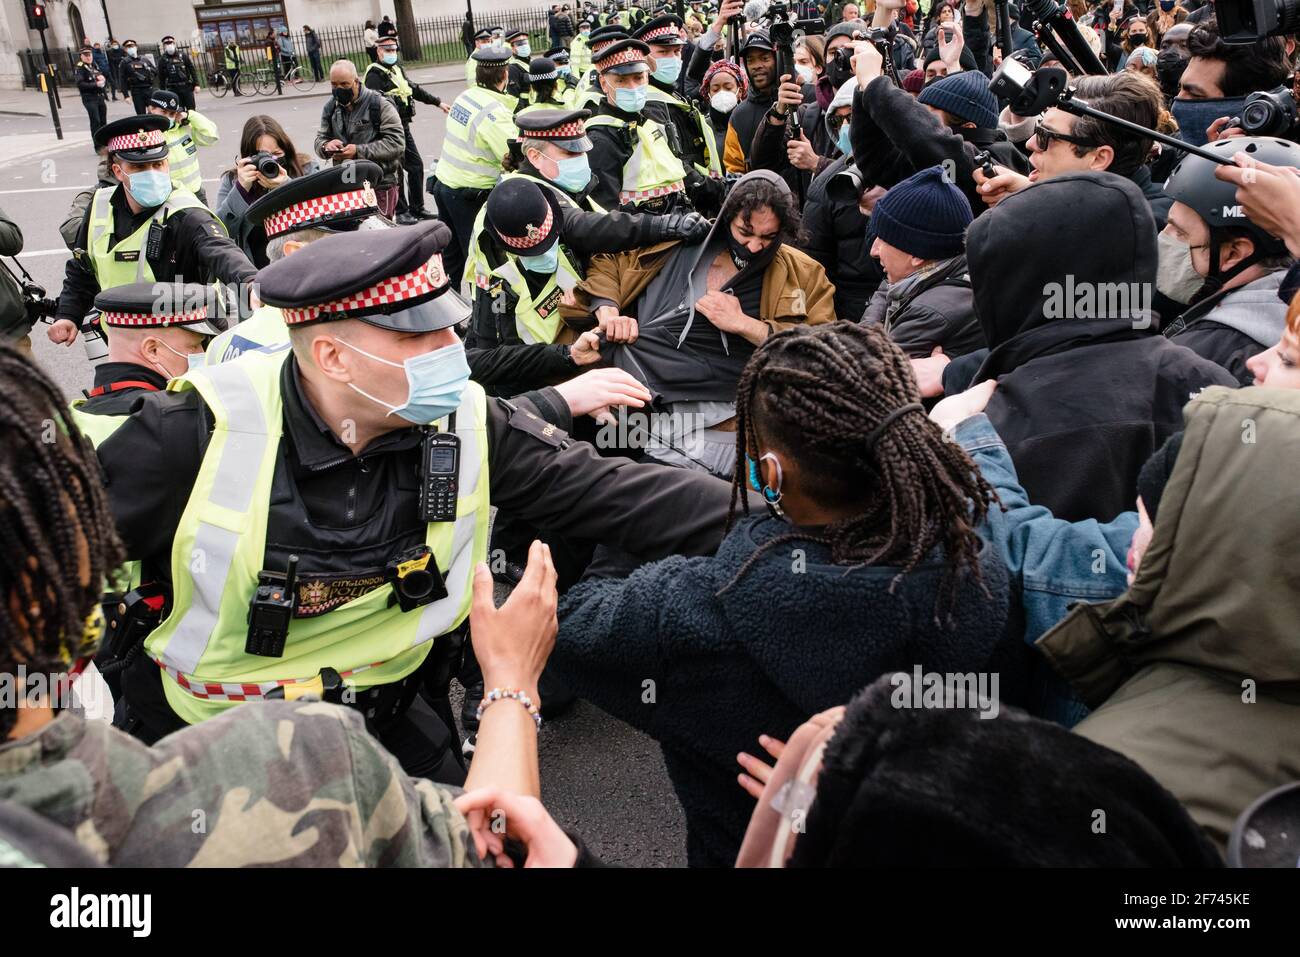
x,y
1245,21
1268,113
266,164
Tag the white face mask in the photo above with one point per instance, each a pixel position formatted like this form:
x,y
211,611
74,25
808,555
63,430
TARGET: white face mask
x,y
193,360
1176,277
724,101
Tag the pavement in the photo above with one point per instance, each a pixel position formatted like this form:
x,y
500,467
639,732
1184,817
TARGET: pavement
x,y
600,778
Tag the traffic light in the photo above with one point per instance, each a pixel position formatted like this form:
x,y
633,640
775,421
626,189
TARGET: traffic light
x,y
36,18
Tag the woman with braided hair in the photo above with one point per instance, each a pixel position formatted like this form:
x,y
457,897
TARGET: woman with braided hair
x,y
865,561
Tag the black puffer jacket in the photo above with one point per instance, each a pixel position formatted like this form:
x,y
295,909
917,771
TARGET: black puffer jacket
x,y
834,230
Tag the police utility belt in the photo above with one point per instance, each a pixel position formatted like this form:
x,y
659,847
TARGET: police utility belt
x,y
413,574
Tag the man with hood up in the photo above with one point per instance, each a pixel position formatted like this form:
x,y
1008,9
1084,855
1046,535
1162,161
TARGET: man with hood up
x,y
1193,672
1087,387
684,317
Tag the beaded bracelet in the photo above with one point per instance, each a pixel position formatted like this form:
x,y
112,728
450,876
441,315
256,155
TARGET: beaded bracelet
x,y
496,694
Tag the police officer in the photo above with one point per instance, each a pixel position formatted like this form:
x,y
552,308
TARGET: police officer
x,y
138,76
337,199
521,51
176,72
91,83
530,249
230,60
481,39
590,95
143,229
474,145
551,149
312,454
158,332
189,130
566,87
580,49
386,76
632,155
543,87
694,141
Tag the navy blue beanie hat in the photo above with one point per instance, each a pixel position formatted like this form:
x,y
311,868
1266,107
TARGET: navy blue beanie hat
x,y
924,216
965,95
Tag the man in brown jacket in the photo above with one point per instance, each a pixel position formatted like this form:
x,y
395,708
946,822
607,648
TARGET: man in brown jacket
x,y
684,318
1194,672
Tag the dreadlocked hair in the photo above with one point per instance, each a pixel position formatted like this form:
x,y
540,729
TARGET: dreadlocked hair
x,y
57,538
820,393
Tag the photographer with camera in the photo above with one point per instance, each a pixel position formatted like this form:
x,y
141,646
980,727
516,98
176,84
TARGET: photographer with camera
x,y
267,159
1219,78
952,120
16,319
1226,266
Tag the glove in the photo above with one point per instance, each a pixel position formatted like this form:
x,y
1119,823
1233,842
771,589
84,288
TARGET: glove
x,y
689,227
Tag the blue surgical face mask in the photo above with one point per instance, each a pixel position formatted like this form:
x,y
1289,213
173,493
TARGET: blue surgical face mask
x,y
193,360
523,50
564,69
844,142
435,382
572,174
545,264
668,69
630,100
150,187
389,59
1195,116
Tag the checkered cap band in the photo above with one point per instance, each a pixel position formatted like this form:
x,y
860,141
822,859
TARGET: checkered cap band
x,y
598,45
627,55
112,318
667,31
427,279
565,131
139,140
536,77
535,234
317,210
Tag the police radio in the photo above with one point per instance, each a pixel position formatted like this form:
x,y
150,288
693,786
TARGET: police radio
x,y
440,463
271,610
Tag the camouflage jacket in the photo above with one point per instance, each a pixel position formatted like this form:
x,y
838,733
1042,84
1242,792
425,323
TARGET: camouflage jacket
x,y
291,784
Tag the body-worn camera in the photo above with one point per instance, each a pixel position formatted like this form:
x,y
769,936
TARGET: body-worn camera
x,y
1268,113
266,164
415,578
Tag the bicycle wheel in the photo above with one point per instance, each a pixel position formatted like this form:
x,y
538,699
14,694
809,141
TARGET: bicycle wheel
x,y
302,82
218,85
264,82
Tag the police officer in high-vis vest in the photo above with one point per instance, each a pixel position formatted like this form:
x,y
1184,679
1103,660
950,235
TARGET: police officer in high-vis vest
x,y
481,39
190,129
315,517
521,51
530,251
156,331
387,77
632,156
589,94
474,145
566,87
543,87
143,229
679,116
580,49
337,199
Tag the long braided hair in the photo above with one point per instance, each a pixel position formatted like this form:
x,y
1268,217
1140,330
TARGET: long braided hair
x,y
57,538
841,400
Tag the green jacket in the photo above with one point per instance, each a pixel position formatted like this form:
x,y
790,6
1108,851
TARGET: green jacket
x,y
1194,672
13,313
277,783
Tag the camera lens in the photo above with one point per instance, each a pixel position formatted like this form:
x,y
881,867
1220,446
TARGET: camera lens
x,y
1257,117
416,585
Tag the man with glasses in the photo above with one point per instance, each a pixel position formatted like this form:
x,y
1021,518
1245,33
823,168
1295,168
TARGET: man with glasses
x,y
1063,143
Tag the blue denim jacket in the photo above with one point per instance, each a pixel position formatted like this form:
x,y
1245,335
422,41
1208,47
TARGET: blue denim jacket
x,y
1056,563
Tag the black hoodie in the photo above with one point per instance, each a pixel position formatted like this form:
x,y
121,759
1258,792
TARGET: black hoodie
x,y
1087,390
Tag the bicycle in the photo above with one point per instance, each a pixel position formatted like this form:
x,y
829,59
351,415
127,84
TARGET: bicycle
x,y
263,79
219,84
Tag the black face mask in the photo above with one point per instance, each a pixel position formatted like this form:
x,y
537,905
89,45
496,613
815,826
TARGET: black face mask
x,y
838,69
741,255
344,96
1170,66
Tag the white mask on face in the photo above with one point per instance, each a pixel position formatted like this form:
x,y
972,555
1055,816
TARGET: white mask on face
x,y
1176,277
724,101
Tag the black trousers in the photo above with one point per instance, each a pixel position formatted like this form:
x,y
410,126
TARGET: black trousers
x,y
317,71
140,98
232,77
411,199
458,208
185,94
97,110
